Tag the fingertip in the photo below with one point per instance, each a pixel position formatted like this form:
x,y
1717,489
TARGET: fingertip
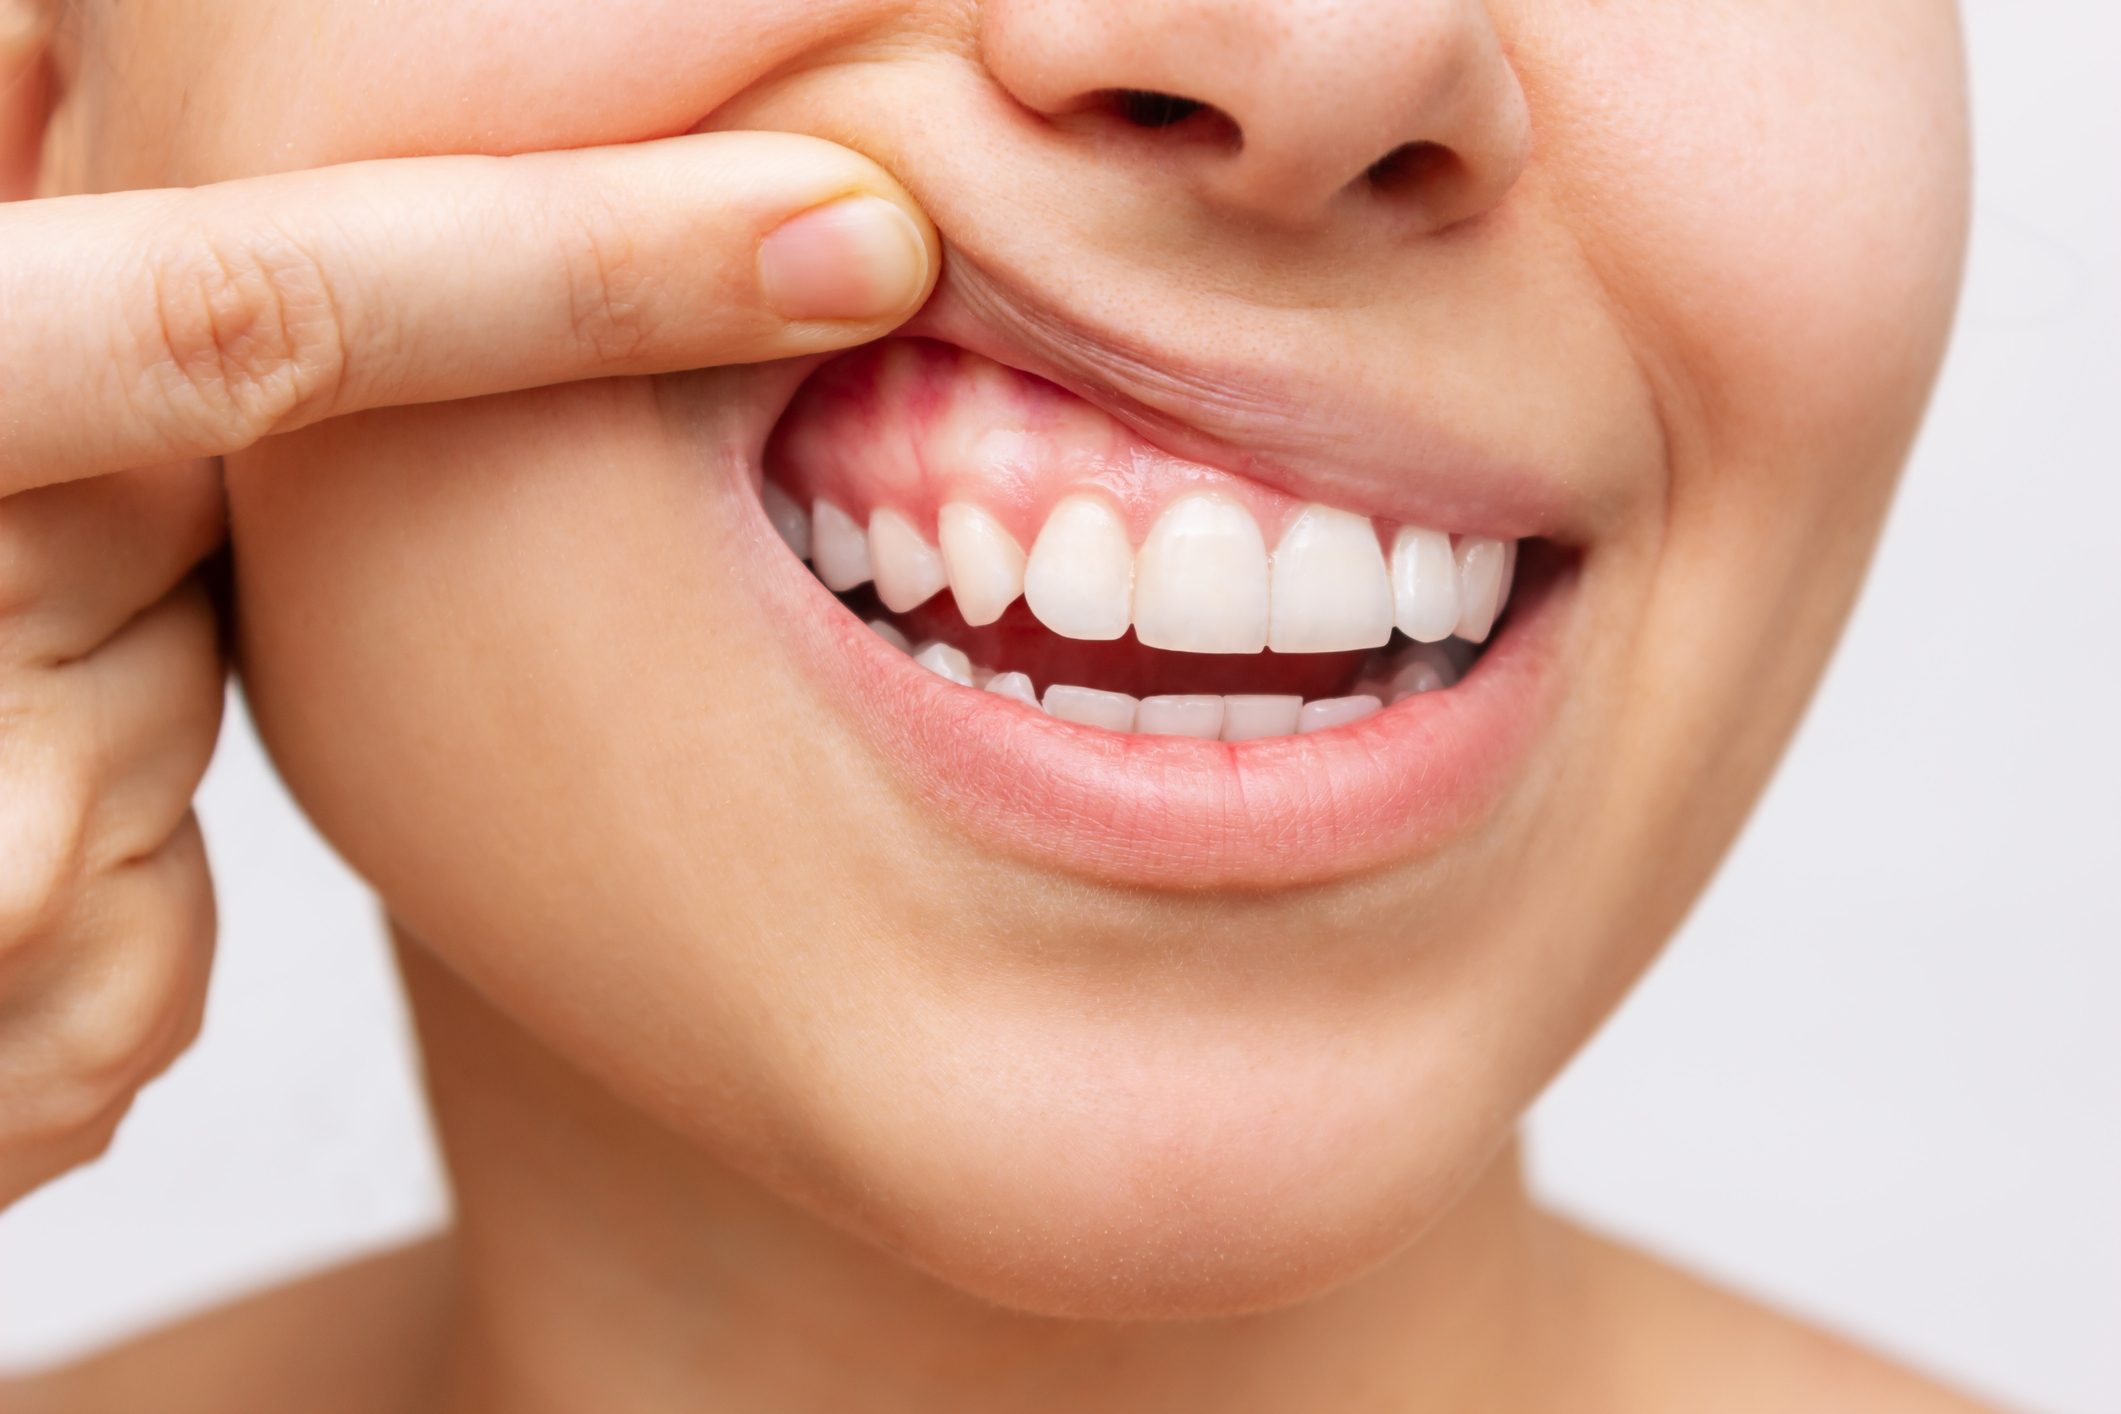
x,y
856,259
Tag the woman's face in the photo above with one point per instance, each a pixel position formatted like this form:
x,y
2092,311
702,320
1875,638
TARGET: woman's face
x,y
1079,1022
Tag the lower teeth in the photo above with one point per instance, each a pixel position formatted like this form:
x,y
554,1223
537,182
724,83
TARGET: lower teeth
x,y
1393,674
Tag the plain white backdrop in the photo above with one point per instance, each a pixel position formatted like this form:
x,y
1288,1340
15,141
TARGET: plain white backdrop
x,y
1877,1078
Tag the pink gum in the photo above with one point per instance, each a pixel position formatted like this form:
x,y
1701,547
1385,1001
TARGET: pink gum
x,y
912,425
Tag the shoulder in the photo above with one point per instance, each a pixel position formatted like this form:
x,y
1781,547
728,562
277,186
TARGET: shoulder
x,y
1696,1345
353,1340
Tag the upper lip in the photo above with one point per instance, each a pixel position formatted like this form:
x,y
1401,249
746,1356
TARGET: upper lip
x,y
1271,424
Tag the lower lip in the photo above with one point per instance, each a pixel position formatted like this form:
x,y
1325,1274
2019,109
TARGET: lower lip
x,y
1174,812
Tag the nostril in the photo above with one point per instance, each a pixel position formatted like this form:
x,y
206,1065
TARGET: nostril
x,y
1146,108
1155,111
1409,165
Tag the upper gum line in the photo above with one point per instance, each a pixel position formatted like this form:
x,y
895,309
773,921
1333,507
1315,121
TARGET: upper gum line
x,y
925,468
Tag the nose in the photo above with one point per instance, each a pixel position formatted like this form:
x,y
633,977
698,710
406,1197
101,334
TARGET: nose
x,y
1280,109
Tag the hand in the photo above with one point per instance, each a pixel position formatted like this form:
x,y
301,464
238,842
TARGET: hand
x,y
144,334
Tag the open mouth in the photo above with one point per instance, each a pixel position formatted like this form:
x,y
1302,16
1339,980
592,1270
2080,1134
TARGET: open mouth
x,y
1137,663
1013,540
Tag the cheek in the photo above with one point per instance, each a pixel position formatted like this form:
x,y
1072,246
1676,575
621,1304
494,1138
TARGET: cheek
x,y
1777,199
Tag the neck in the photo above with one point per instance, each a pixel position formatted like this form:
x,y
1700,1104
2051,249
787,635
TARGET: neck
x,y
601,1262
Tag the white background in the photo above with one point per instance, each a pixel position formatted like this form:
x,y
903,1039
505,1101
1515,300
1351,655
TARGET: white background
x,y
1878,1078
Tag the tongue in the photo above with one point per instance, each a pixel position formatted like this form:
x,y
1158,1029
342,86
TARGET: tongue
x,y
1017,642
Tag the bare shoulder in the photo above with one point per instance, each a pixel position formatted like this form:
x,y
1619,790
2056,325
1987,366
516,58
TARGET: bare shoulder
x,y
1696,1345
357,1339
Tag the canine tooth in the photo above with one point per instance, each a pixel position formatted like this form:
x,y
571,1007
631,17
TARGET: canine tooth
x,y
1331,590
1089,707
888,631
1189,714
984,562
1424,584
790,520
1330,712
946,662
1015,685
1079,580
1200,583
1248,716
1480,566
839,549
908,571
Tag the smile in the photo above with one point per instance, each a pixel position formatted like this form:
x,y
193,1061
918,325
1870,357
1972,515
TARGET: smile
x,y
1217,681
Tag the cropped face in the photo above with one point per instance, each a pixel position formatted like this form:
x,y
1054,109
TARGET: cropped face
x,y
1385,477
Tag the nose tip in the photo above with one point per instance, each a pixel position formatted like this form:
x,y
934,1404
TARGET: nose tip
x,y
1283,109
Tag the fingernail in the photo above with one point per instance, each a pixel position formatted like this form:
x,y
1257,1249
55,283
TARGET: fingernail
x,y
857,258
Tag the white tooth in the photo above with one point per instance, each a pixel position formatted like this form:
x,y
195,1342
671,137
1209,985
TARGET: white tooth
x,y
1416,677
1114,711
1200,582
1330,712
888,631
1424,584
1480,565
1195,714
985,563
1509,576
1331,589
1014,685
789,519
946,662
1249,716
1079,580
839,550
908,571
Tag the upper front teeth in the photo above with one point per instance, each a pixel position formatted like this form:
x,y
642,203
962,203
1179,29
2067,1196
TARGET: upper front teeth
x,y
1079,580
1331,588
984,562
1202,581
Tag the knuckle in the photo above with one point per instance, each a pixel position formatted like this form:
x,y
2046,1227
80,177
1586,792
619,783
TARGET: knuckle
x,y
114,1037
44,814
241,338
610,296
69,1124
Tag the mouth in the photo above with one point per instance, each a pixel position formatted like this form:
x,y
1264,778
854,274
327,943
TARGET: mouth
x,y
1140,666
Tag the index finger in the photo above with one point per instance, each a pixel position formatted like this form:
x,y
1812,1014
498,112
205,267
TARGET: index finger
x,y
146,327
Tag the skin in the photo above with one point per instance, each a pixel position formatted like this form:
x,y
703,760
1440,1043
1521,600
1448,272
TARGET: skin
x,y
720,1088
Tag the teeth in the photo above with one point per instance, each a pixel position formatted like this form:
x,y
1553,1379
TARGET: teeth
x,y
839,551
1331,590
908,571
1087,706
1201,580
1015,685
1424,584
888,631
985,564
1198,715
1079,580
1415,678
1480,571
1334,712
789,520
1247,716
946,662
